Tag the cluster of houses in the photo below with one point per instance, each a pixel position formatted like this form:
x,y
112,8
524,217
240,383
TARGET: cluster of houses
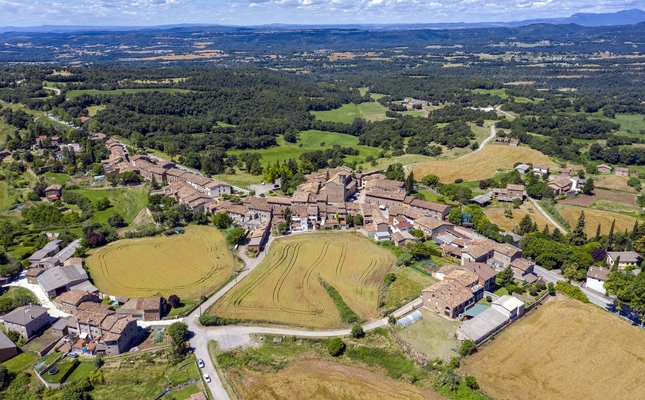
x,y
597,276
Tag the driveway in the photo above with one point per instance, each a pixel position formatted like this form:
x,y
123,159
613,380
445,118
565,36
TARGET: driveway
x,y
40,295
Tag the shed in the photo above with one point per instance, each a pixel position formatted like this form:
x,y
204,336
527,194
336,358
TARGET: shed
x,y
482,326
476,310
409,319
8,348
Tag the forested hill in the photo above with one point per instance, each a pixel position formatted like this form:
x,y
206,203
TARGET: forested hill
x,y
128,46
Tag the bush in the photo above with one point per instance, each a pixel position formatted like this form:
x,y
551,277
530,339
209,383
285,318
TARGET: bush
x,y
471,382
467,347
450,379
68,370
572,291
357,331
454,363
336,347
347,315
214,320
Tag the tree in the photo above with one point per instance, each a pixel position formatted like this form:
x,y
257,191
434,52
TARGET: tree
x,y
357,331
283,228
74,392
597,238
286,213
471,382
573,272
551,287
178,333
455,215
5,378
222,220
578,236
588,186
637,290
174,301
504,277
116,221
103,204
467,347
336,347
430,180
450,379
409,183
404,259
358,220
235,236
610,237
525,226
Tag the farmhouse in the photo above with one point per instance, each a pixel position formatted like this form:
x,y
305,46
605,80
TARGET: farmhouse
x,y
402,237
47,251
561,185
434,210
58,280
258,238
622,171
8,349
523,270
596,278
26,320
510,193
447,298
143,309
627,258
69,301
431,227
541,169
105,333
53,192
385,198
603,169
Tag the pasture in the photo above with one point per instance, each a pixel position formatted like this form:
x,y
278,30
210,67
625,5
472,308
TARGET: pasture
x,y
94,92
613,182
496,216
188,265
285,287
369,111
433,335
125,202
481,165
564,350
594,217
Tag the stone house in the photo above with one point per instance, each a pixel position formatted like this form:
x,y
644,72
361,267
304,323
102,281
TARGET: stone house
x,y
447,298
26,320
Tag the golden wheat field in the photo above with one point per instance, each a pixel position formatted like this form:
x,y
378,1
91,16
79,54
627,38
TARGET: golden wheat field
x,y
481,165
564,350
496,216
315,378
595,217
285,287
188,265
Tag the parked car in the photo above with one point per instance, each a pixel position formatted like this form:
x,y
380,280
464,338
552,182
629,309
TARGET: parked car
x,y
72,355
200,362
207,378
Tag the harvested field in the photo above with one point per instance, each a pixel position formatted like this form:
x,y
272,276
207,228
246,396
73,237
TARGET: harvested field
x,y
613,182
622,198
584,201
595,217
562,351
188,265
285,288
496,216
481,165
316,378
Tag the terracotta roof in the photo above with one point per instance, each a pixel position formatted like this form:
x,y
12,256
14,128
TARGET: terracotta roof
x,y
152,303
429,205
94,307
72,297
560,182
34,272
515,187
91,317
506,249
484,271
430,223
465,278
384,185
450,292
399,196
521,264
479,249
300,197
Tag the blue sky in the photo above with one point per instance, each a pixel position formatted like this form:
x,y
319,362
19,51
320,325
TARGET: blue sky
x,y
248,12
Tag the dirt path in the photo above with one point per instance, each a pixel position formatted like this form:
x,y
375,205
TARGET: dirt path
x,y
547,216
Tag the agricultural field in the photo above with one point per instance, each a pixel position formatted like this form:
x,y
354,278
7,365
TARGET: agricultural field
x,y
188,265
285,288
408,284
433,335
594,217
613,182
309,141
125,202
496,216
370,111
92,110
481,165
554,353
93,92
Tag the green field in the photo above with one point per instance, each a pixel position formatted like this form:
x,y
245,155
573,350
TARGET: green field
x,y
311,140
345,114
493,92
20,361
408,285
92,110
370,111
93,92
125,202
285,287
433,335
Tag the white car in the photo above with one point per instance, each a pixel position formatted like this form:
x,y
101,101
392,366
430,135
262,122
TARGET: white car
x,y
207,378
200,362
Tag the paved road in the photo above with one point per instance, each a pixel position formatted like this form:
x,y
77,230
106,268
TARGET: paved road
x,y
54,89
499,109
39,293
547,216
594,297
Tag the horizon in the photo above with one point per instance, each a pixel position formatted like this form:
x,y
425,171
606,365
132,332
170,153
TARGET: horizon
x,y
151,13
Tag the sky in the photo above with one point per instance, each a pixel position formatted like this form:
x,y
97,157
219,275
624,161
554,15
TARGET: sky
x,y
260,12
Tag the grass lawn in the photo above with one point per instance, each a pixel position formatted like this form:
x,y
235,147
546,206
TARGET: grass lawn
x,y
433,335
345,114
372,111
14,291
20,362
50,358
93,92
41,342
60,367
408,285
53,177
185,392
81,371
185,305
125,201
183,372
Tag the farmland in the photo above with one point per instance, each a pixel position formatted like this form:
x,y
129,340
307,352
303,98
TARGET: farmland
x,y
594,217
496,216
433,335
556,353
125,202
613,182
188,265
285,288
480,165
370,111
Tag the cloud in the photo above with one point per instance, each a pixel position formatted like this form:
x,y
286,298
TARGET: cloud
x,y
246,12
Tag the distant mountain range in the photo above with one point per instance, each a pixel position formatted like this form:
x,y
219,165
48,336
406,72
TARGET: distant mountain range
x,y
625,17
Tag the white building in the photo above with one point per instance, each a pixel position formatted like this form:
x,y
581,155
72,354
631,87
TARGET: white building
x,y
509,306
596,277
